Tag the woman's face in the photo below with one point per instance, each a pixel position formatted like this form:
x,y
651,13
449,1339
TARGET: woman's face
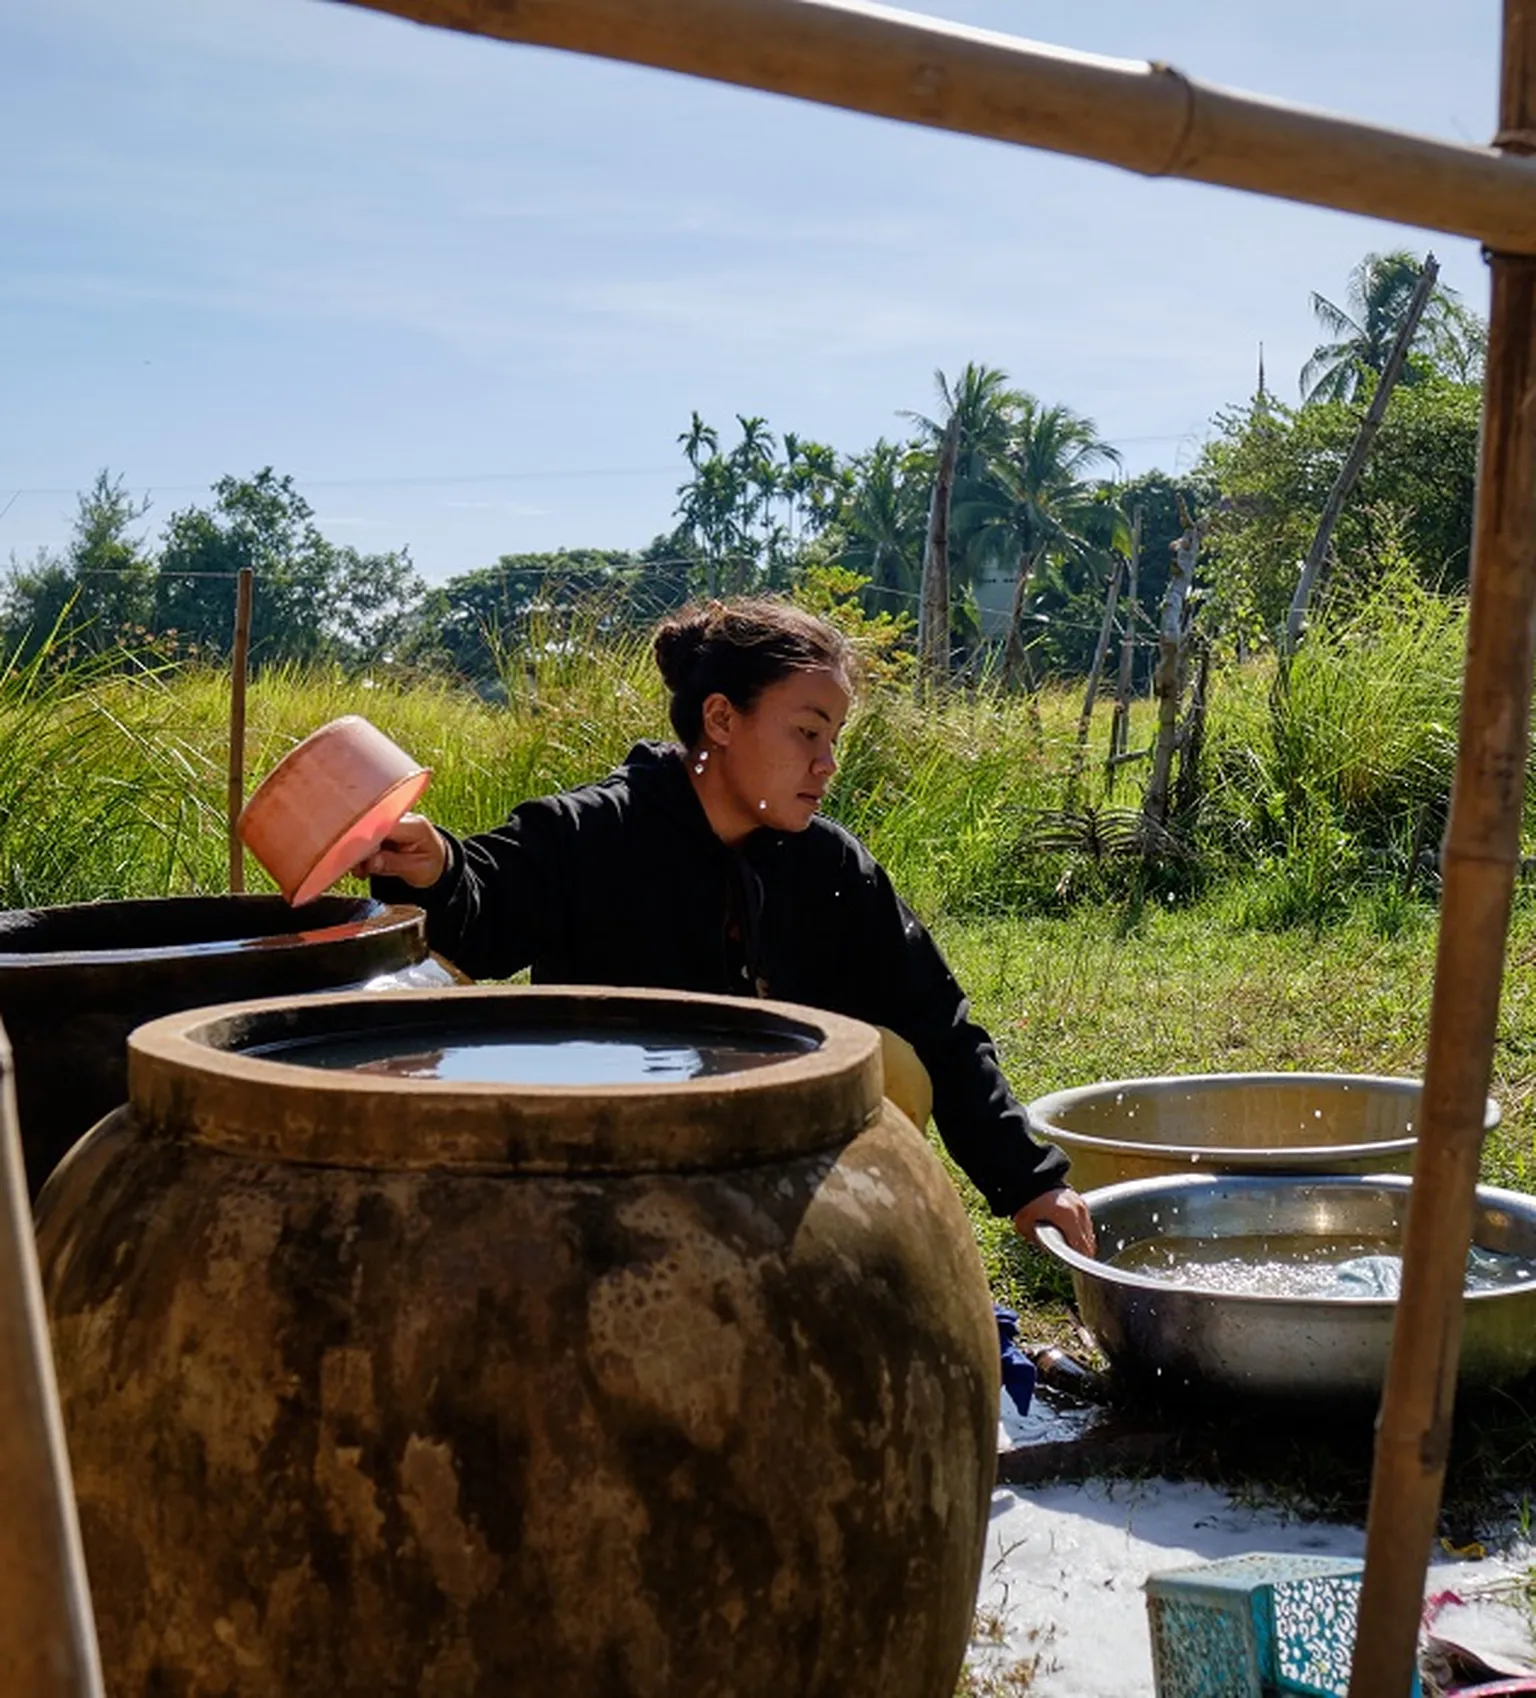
x,y
771,764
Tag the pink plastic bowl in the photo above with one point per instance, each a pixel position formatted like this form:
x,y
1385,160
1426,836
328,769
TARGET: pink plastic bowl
x,y
329,803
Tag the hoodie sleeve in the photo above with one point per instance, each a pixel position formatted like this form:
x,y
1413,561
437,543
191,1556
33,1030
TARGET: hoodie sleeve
x,y
984,1126
501,899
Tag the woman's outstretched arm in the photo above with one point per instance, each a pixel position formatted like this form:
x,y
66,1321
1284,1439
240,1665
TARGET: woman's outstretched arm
x,y
493,901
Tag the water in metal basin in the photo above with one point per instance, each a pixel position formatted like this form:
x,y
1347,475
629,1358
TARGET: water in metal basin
x,y
1301,1265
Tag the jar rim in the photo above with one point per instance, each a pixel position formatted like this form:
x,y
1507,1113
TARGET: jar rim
x,y
192,1075
170,929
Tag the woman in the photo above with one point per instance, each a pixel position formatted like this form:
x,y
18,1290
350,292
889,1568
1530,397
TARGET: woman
x,y
708,867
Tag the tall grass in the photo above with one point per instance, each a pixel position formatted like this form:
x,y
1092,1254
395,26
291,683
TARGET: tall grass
x,y
101,789
1331,784
1335,778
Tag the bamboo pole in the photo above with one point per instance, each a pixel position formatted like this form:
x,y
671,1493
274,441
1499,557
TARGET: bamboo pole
x,y
239,667
1482,846
47,1638
1354,461
1145,117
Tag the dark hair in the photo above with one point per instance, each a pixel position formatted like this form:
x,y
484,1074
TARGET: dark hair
x,y
739,648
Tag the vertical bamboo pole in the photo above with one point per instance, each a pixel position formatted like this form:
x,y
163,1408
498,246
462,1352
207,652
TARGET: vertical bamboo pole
x,y
239,666
47,1639
1481,854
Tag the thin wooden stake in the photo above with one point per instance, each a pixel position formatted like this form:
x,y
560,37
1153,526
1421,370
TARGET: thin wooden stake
x,y
47,1638
933,605
1101,648
1354,461
1146,117
1168,683
1120,725
1192,737
1482,847
239,666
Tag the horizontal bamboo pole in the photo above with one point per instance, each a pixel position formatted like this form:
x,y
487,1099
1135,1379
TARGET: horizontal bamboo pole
x,y
1148,118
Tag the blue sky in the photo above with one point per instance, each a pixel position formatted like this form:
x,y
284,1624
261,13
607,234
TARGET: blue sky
x,y
468,293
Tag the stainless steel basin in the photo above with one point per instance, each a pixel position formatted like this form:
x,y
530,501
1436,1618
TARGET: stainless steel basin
x,y
1183,1338
1235,1123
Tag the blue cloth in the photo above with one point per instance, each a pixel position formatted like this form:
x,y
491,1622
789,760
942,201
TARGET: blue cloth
x,y
1018,1370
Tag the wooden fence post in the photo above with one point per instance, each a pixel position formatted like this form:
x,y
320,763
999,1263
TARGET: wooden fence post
x,y
1120,725
1168,682
239,667
1085,718
933,605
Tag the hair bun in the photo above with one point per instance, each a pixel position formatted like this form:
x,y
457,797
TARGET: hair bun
x,y
678,642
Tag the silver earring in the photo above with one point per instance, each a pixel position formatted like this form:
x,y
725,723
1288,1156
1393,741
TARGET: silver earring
x,y
703,756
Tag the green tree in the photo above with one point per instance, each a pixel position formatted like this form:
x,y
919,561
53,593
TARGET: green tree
x,y
1274,465
478,621
1363,331
882,523
100,589
313,601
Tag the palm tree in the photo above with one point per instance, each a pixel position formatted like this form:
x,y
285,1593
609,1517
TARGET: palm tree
x,y
984,402
978,413
709,506
815,483
1380,288
758,480
882,520
696,439
1040,501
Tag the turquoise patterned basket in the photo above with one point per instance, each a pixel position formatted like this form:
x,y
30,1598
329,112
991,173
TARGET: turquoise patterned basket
x,y
1255,1627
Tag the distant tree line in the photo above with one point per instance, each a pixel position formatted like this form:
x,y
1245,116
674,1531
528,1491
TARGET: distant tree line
x,y
1037,515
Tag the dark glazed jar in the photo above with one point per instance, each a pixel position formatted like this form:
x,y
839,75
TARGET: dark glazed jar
x,y
459,1386
74,982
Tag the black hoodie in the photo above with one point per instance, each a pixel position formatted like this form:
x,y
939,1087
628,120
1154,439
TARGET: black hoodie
x,y
624,882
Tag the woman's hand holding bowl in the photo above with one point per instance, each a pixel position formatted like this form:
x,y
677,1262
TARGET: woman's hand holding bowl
x,y
414,852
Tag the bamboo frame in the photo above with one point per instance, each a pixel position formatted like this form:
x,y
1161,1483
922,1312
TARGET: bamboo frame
x,y
47,1636
1145,117
1152,119
1482,854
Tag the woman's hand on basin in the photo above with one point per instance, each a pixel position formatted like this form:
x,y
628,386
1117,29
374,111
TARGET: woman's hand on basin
x,y
1066,1211
414,851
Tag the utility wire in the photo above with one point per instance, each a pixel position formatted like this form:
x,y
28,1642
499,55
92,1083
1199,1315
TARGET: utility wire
x,y
431,480
1143,617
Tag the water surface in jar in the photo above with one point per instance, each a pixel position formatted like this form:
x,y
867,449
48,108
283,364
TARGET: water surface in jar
x,y
571,1057
1303,1265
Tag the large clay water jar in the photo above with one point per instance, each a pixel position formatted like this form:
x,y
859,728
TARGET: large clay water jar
x,y
74,981
670,1375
